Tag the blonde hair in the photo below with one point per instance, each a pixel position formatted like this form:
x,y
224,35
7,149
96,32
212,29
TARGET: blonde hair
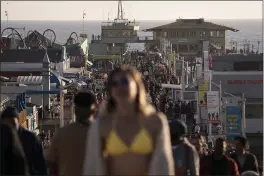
x,y
142,105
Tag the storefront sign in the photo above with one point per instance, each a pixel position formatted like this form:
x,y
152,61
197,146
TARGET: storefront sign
x,y
244,81
202,93
233,122
213,106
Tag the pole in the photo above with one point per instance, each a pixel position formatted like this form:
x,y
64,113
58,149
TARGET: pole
x,y
243,115
6,14
61,108
186,71
83,18
222,121
72,109
210,124
83,22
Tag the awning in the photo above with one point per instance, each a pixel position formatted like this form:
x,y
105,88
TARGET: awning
x,y
215,46
89,63
65,79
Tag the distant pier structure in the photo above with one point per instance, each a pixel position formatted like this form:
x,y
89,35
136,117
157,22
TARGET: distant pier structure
x,y
185,36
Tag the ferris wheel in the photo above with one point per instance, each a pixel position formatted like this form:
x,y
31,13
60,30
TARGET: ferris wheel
x,y
34,40
71,39
49,38
13,34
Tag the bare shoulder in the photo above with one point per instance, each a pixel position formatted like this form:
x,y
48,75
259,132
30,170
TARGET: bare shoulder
x,y
156,121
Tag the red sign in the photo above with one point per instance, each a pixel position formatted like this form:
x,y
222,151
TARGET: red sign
x,y
210,62
244,81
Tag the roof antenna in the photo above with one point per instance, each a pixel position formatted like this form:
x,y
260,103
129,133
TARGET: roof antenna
x,y
120,12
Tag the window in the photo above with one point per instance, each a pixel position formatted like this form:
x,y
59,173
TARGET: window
x,y
211,33
192,34
254,110
217,33
183,34
172,34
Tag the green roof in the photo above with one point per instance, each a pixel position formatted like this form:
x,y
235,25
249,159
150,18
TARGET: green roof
x,y
191,24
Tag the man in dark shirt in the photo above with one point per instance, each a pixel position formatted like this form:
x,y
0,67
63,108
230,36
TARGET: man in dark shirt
x,y
246,161
65,156
31,144
218,163
13,160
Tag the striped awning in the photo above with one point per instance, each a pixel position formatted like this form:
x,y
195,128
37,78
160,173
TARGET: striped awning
x,y
29,79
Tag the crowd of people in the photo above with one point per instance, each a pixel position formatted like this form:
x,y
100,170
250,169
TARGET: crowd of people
x,y
120,132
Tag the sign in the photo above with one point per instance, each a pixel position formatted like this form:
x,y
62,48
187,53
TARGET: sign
x,y
71,75
244,81
171,61
205,52
179,68
189,96
233,122
202,93
206,60
212,99
213,107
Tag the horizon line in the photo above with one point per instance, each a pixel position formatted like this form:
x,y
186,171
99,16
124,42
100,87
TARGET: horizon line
x,y
142,19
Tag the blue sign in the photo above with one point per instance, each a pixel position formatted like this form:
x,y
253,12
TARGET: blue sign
x,y
233,122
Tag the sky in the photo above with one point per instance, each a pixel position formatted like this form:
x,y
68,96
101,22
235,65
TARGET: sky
x,y
139,10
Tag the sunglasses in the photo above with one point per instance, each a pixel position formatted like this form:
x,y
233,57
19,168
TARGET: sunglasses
x,y
121,82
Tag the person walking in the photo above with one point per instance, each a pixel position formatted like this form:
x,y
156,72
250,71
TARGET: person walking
x,y
32,146
13,160
65,155
186,158
218,163
246,161
129,137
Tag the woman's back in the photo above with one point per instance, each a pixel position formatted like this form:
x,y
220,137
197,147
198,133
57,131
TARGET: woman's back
x,y
13,160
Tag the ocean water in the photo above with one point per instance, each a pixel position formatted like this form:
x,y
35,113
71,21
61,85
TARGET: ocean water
x,y
250,30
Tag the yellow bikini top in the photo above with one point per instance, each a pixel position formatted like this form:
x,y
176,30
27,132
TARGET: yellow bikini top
x,y
142,143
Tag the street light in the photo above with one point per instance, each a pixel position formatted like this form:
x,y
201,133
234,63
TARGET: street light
x,y
243,99
84,14
6,14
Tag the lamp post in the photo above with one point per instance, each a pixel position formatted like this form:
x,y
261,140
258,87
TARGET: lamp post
x,y
84,14
6,14
243,99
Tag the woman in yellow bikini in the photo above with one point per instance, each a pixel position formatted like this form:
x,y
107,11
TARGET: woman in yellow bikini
x,y
130,137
